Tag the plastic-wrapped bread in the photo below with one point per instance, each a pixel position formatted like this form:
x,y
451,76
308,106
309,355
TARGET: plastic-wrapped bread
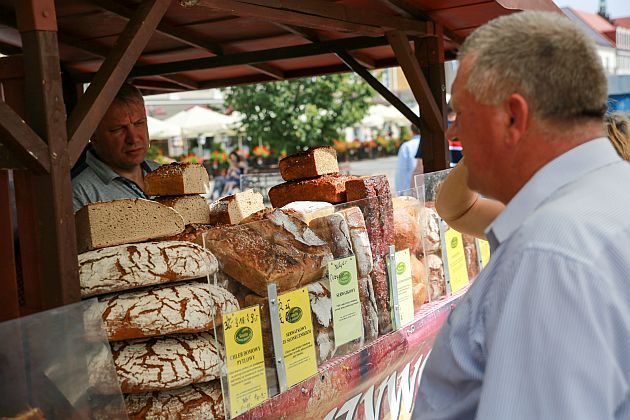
x,y
180,308
435,271
192,402
193,208
309,164
430,225
161,363
177,179
321,308
407,231
119,222
126,267
419,282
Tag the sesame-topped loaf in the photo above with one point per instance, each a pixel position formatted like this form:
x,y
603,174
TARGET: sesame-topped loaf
x,y
330,188
192,306
232,209
109,223
177,179
193,208
131,266
309,164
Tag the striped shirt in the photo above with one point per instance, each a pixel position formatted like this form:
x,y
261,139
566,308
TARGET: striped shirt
x,y
96,181
544,331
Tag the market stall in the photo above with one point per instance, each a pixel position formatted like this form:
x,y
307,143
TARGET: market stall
x,y
53,48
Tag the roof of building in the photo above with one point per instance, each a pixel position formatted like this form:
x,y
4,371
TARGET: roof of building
x,y
594,25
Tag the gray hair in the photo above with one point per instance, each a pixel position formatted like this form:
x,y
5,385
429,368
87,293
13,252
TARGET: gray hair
x,y
542,56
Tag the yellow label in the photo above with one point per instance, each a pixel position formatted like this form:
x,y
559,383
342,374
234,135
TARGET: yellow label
x,y
484,252
458,273
404,286
247,381
296,329
346,305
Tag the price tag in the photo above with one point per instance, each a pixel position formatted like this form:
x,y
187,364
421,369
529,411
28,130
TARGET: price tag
x,y
483,248
346,305
296,330
247,381
455,259
404,285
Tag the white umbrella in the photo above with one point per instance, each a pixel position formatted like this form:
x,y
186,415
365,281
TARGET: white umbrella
x,y
159,129
201,121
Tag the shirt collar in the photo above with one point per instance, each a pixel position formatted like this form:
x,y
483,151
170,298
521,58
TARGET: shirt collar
x,y
564,169
100,168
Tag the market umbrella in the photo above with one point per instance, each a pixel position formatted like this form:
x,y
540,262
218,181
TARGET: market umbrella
x,y
159,130
201,121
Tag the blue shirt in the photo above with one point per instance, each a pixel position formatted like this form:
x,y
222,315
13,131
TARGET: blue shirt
x,y
544,331
406,163
98,182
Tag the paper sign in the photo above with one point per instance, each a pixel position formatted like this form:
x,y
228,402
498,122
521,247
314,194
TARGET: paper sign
x,y
456,260
296,330
247,381
484,252
404,286
346,305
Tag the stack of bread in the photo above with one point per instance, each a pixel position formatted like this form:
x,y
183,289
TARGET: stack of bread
x,y
156,302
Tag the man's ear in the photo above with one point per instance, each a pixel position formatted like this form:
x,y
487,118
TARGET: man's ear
x,y
517,110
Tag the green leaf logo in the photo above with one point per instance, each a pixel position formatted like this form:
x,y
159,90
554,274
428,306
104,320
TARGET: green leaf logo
x,y
454,243
294,315
400,268
243,335
344,278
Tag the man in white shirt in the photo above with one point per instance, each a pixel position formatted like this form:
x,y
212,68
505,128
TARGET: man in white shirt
x,y
409,161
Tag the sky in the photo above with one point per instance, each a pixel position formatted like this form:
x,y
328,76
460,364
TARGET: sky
x,y
616,8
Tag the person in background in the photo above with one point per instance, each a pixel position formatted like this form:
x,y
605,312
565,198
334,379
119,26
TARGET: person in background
x,y
454,145
409,161
543,331
115,165
468,212
237,167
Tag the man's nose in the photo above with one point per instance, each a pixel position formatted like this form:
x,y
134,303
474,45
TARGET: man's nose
x,y
134,134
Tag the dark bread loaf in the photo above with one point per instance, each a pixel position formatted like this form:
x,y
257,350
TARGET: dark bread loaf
x,y
309,164
330,188
177,179
126,267
179,308
160,363
374,198
192,402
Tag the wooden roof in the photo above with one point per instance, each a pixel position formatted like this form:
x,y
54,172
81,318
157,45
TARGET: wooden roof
x,y
203,44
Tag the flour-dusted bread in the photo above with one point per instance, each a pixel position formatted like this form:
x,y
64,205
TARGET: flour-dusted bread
x,y
126,267
321,308
330,188
309,210
334,230
430,225
232,209
179,308
192,402
177,179
435,272
192,233
161,363
309,164
118,222
194,209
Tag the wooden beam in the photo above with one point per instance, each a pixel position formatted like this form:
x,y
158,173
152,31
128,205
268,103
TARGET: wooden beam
x,y
9,303
112,74
379,87
306,50
22,141
316,14
186,36
413,73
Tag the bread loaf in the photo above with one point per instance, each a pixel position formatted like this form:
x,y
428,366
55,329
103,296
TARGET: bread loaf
x,y
118,222
334,230
330,188
419,282
360,240
407,231
192,233
177,179
253,260
430,224
192,402
161,363
126,267
435,272
193,208
179,308
234,208
309,164
309,210
372,194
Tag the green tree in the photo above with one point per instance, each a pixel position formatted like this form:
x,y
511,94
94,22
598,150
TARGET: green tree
x,y
293,115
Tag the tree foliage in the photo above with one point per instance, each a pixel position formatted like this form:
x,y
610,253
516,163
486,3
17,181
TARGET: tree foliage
x,y
293,115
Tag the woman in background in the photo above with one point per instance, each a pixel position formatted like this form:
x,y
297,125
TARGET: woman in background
x,y
467,212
